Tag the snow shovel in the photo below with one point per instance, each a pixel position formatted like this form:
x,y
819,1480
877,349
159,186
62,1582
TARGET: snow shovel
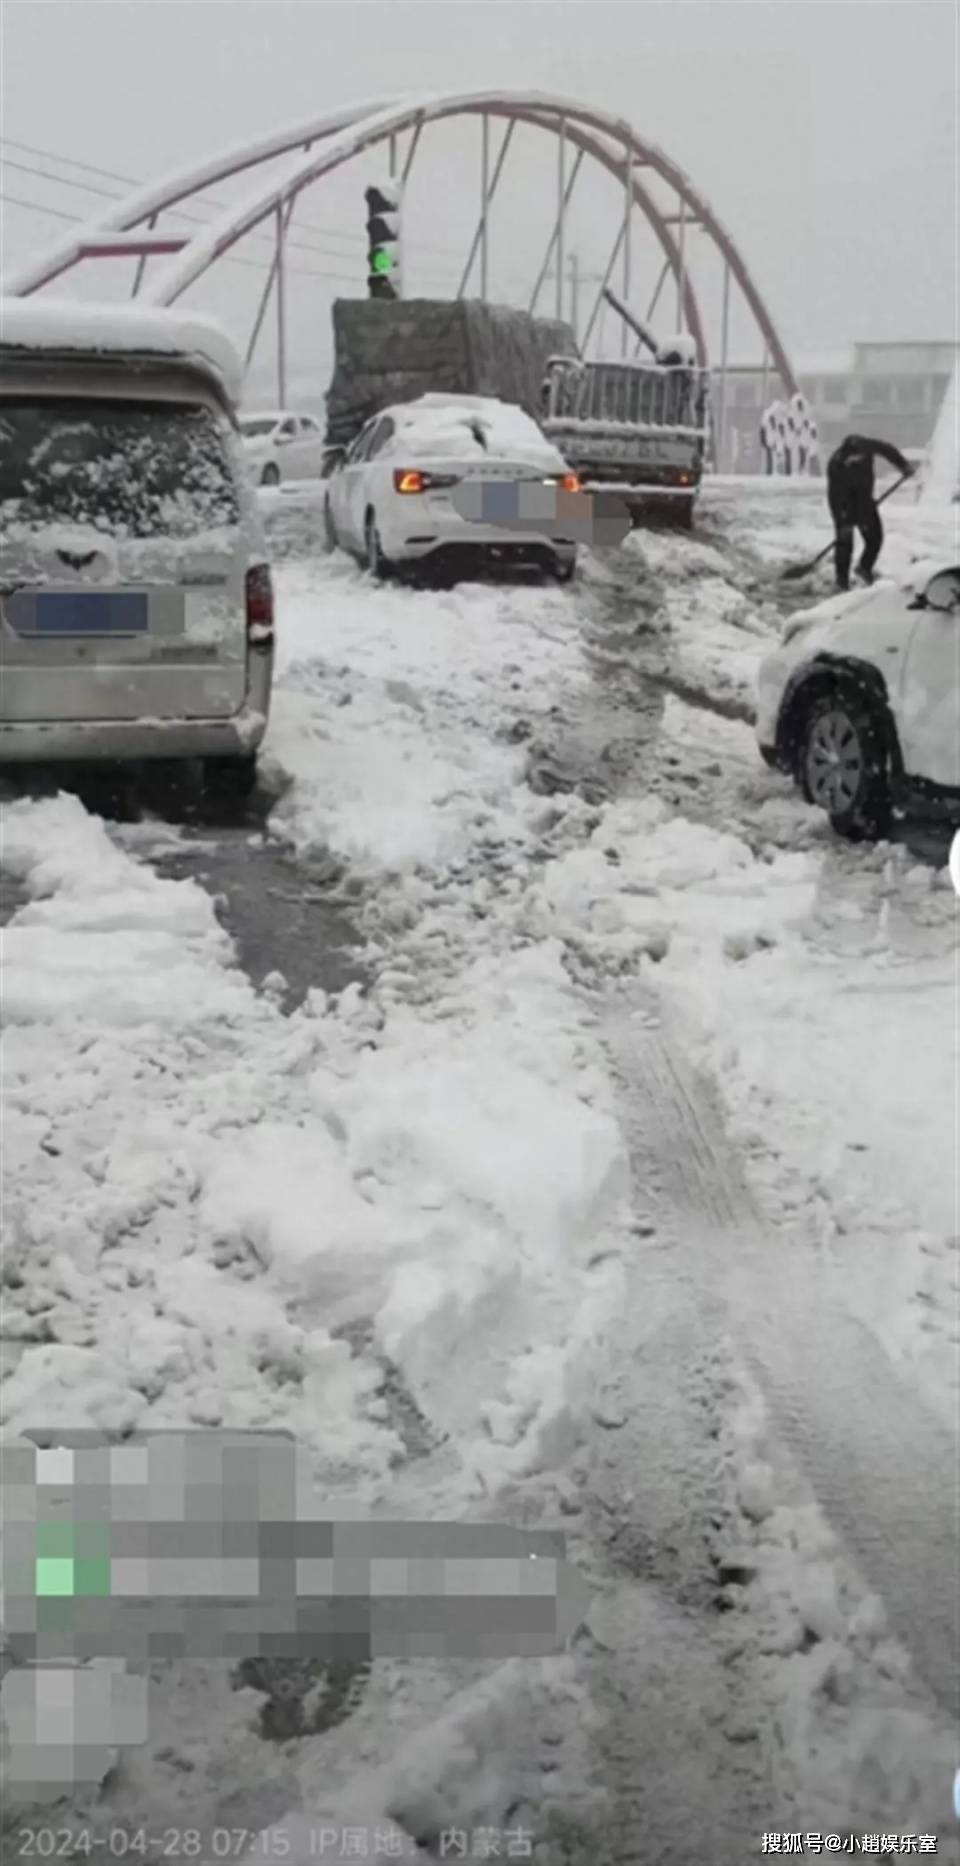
x,y
794,572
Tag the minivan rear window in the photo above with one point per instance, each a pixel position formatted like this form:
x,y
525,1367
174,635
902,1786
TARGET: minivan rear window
x,y
133,469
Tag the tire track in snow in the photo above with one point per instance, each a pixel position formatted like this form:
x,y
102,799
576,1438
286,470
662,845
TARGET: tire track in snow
x,y
882,1467
679,1754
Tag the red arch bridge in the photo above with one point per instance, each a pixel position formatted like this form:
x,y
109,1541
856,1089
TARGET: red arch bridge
x,y
310,150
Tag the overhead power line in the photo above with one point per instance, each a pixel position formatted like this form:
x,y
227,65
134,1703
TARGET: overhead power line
x,y
231,259
178,213
131,181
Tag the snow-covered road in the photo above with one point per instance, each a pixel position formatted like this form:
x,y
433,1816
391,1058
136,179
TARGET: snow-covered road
x,y
622,1198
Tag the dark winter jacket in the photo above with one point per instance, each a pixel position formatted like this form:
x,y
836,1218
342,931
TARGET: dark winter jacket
x,y
852,462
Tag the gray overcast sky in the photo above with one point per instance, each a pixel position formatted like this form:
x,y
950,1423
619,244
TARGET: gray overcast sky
x,y
824,135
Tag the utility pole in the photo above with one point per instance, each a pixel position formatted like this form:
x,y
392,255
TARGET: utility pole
x,y
575,296
575,279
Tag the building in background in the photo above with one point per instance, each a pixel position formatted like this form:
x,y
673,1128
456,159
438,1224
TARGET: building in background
x,y
893,391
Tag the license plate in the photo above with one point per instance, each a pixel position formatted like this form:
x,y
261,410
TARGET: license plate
x,y
89,612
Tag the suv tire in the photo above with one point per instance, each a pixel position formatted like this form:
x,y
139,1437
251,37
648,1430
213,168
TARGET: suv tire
x,y
842,765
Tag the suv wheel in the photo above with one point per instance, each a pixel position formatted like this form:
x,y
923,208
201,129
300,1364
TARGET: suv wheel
x,y
843,767
270,475
376,562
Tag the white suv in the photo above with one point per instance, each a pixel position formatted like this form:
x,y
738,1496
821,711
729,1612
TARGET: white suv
x,y
861,702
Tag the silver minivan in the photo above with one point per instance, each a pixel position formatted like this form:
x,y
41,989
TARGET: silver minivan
x,y
136,603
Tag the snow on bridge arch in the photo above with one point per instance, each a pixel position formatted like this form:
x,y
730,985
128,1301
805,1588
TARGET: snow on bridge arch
x,y
320,145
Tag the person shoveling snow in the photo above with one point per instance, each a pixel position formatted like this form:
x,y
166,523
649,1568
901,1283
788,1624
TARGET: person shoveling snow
x,y
852,503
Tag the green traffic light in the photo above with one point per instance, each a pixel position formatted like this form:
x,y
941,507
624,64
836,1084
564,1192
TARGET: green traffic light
x,y
382,260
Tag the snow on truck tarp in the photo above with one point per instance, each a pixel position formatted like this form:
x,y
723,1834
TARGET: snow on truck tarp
x,y
28,324
473,427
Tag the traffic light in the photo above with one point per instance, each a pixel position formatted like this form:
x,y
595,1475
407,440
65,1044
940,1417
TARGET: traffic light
x,y
383,240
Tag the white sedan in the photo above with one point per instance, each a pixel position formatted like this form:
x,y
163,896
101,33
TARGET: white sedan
x,y
403,495
281,446
860,703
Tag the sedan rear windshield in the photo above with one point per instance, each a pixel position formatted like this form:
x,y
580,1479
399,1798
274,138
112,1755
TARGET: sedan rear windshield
x,y
132,469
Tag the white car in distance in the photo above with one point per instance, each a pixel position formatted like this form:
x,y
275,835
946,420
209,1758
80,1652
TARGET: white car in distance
x,y
281,446
860,702
394,498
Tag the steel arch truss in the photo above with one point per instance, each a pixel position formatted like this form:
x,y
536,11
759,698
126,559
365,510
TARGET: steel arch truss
x,y
318,146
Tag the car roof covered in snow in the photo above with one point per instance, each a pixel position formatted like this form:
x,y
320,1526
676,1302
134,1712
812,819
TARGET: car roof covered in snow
x,y
472,427
64,327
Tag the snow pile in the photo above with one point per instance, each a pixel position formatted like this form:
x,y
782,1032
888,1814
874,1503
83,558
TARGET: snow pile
x,y
862,1153
782,1019
222,1198
649,882
394,716
857,1742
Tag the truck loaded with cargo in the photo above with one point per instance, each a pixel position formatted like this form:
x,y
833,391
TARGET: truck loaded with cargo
x,y
636,430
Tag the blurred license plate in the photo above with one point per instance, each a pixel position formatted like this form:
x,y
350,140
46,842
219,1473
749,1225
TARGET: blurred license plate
x,y
506,502
90,612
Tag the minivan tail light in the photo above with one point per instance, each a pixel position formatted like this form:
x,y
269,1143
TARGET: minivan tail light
x,y
260,618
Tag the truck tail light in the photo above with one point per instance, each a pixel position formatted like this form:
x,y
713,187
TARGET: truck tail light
x,y
410,479
259,594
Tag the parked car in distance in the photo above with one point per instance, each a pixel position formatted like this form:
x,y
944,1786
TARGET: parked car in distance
x,y
136,604
390,498
280,446
860,702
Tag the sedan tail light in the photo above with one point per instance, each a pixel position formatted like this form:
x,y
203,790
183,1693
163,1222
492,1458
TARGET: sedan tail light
x,y
410,479
259,594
